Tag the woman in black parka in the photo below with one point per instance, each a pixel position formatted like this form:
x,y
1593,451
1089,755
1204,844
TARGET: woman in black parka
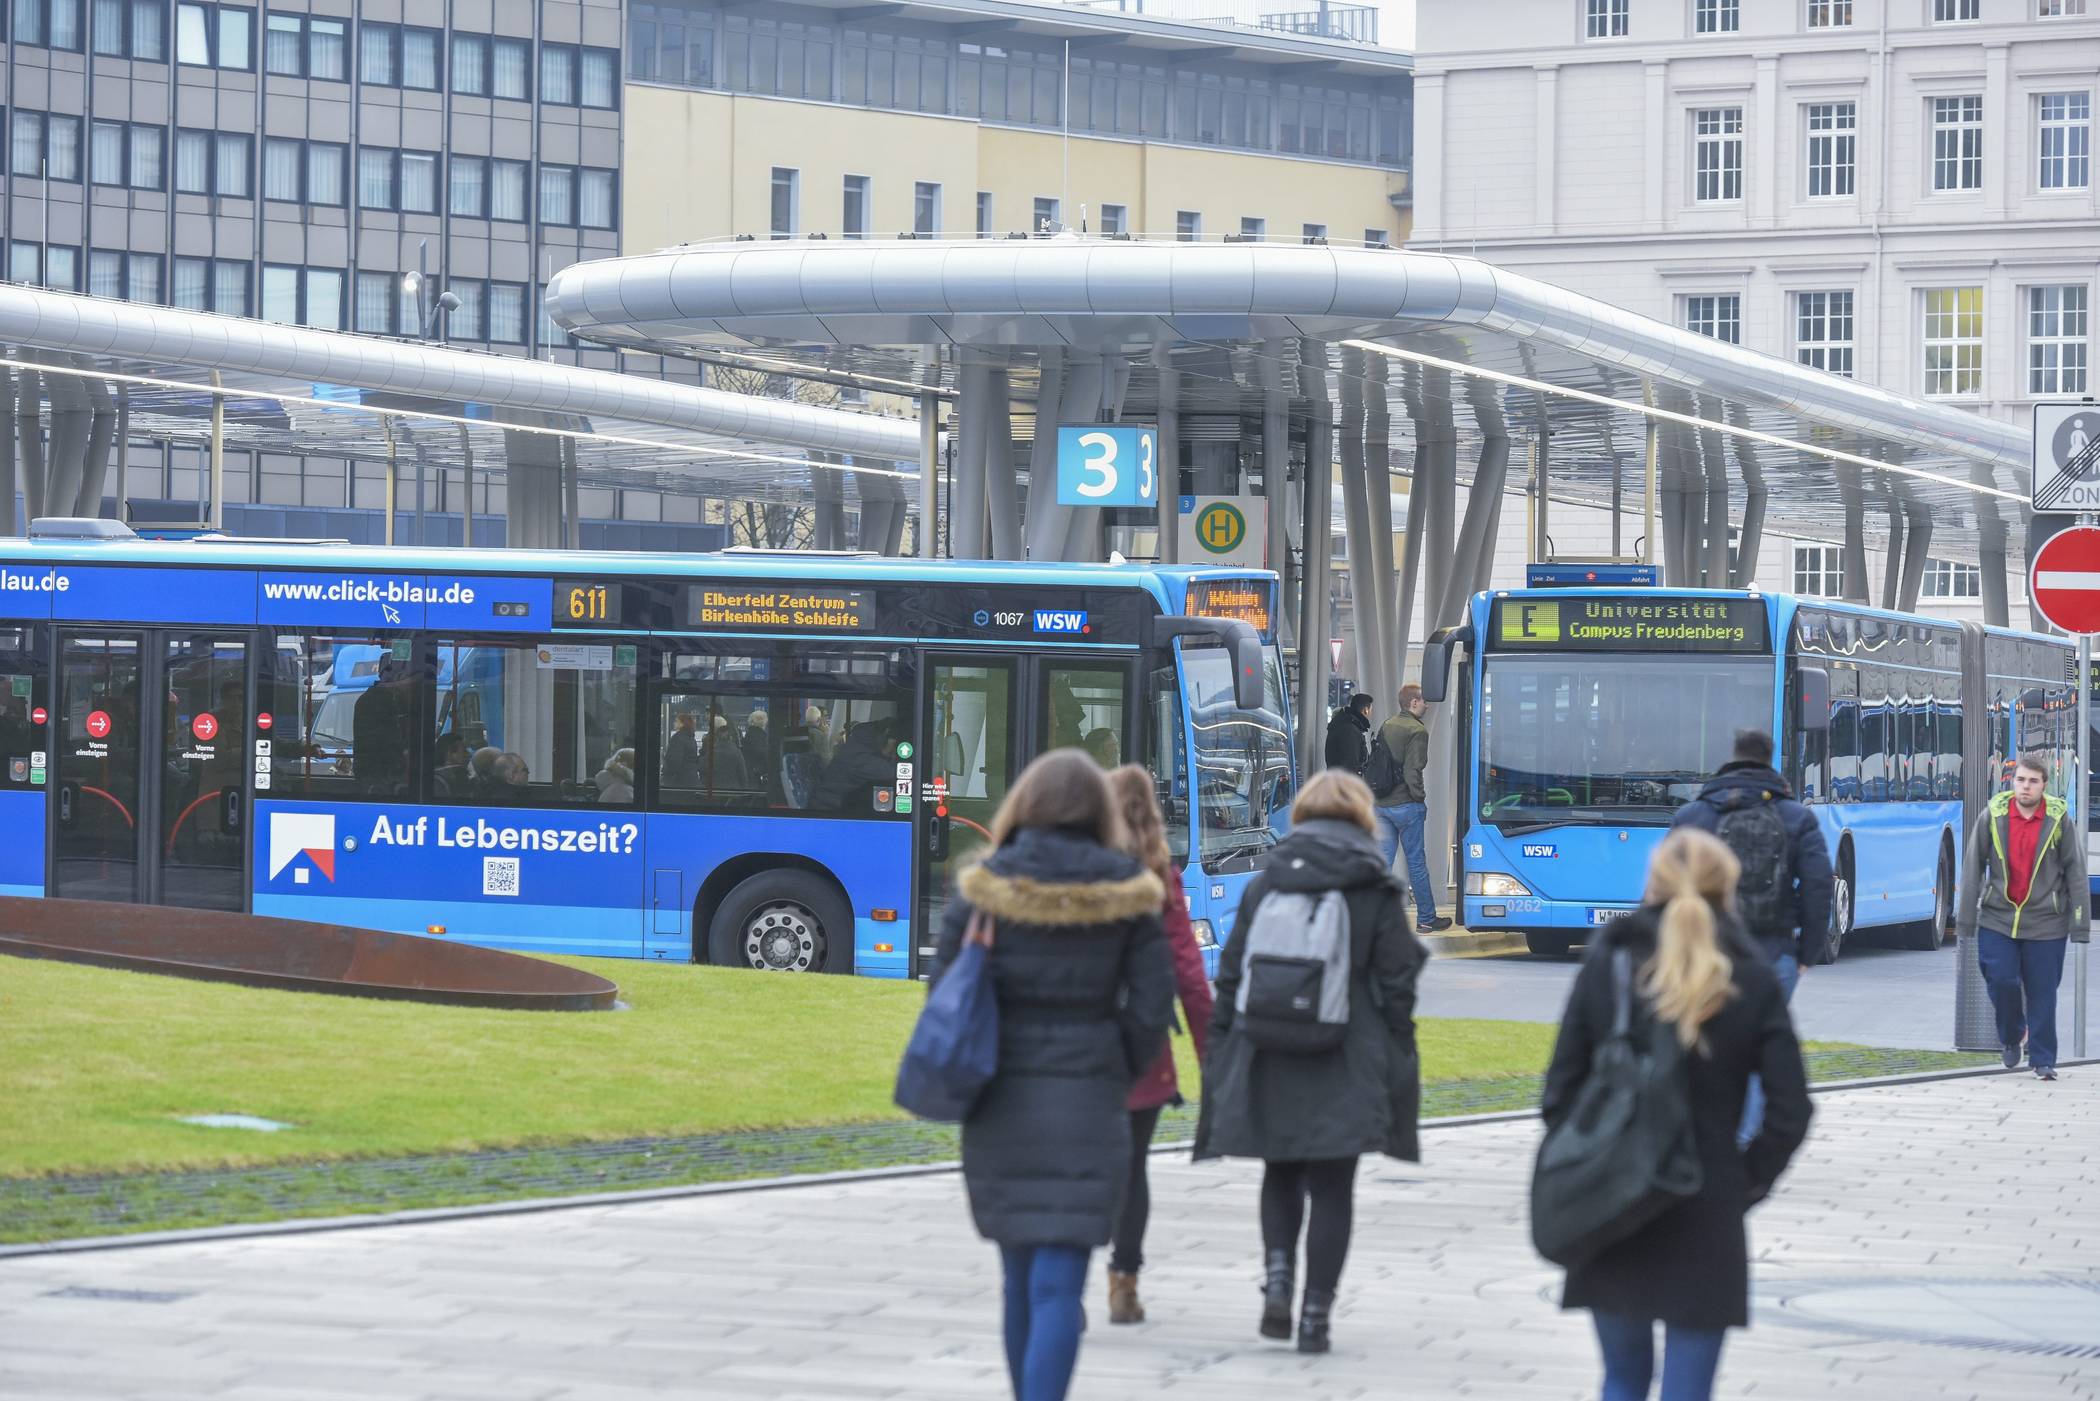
x,y
1310,1116
1085,990
1688,1269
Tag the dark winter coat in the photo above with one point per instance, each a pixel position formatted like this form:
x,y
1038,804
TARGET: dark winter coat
x,y
1691,1265
1348,740
1361,1097
1162,1083
1742,785
1084,988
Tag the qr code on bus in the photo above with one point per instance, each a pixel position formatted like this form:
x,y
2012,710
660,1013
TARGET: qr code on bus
x,y
499,875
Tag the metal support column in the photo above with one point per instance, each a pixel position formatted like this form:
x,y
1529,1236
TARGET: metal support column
x,y
1169,461
466,459
1276,484
393,481
1892,565
29,404
1439,525
1002,489
1378,476
1542,489
1408,583
7,450
94,466
1854,554
1651,444
215,504
1052,371
1917,546
1313,611
929,474
1715,457
966,518
1366,640
1997,610
1753,542
1668,458
572,512
1476,537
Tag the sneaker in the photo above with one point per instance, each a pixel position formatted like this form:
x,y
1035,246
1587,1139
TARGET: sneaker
x,y
1437,925
2045,1072
2011,1056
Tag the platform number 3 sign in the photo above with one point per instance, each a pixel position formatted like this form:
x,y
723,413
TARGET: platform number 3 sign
x,y
1107,465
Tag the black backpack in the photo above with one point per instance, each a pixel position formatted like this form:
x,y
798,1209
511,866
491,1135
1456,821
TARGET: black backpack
x,y
1765,894
1382,769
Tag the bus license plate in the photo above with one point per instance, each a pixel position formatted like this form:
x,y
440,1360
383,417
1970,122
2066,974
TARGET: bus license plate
x,y
1607,916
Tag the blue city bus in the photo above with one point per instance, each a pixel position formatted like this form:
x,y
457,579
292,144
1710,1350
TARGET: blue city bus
x,y
1586,717
758,759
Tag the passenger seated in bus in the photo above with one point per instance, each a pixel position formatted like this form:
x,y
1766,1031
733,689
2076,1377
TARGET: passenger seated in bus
x,y
863,764
801,760
722,758
380,734
616,780
452,768
681,766
1106,748
481,772
513,775
758,752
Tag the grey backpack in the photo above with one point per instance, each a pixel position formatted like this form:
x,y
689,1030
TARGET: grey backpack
x,y
1294,974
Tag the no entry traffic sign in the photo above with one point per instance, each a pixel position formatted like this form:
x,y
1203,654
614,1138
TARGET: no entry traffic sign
x,y
2064,580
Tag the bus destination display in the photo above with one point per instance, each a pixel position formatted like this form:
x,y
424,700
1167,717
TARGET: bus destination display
x,y
794,608
1629,625
1248,600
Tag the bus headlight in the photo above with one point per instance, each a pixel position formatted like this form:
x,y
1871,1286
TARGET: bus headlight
x,y
1494,885
1206,937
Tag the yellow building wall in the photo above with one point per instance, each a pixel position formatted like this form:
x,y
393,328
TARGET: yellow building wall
x,y
700,165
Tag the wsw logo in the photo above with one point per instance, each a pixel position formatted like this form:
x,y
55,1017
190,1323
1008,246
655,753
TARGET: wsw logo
x,y
307,834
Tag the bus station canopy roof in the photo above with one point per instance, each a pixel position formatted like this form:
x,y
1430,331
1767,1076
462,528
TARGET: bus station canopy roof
x,y
1438,337
291,389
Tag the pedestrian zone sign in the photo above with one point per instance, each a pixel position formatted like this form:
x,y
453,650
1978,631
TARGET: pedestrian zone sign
x,y
2067,457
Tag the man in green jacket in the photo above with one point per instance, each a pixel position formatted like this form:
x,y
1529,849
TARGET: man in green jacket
x,y
1402,797
2023,894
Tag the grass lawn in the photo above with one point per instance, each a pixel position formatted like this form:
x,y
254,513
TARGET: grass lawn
x,y
98,1066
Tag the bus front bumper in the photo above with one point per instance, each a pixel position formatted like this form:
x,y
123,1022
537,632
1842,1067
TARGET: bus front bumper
x,y
1535,912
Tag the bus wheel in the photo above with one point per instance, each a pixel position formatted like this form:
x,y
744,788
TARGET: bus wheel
x,y
778,922
1927,938
1841,911
1545,944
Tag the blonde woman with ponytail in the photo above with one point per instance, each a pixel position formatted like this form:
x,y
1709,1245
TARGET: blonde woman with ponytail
x,y
1697,972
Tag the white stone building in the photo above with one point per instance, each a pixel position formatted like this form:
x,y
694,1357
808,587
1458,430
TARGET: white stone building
x,y
1900,190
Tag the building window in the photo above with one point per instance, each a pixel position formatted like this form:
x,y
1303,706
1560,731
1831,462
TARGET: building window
x,y
1607,19
1956,11
401,56
306,46
467,187
1946,578
1718,316
133,276
1049,215
1953,341
1378,238
1829,14
1313,233
405,181
294,296
1957,143
1833,138
308,172
1188,225
925,208
2058,331
506,313
214,36
125,153
579,77
984,214
484,66
853,216
2058,9
51,24
1823,331
594,199
214,163
127,28
464,322
1717,169
1716,16
378,308
46,145
508,183
211,284
33,263
786,202
1819,571
2065,140
1255,229
1115,218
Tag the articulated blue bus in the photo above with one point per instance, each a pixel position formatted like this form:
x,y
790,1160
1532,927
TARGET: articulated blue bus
x,y
1587,716
753,759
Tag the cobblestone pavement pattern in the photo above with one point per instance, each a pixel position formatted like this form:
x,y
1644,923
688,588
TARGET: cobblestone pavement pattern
x,y
1912,1209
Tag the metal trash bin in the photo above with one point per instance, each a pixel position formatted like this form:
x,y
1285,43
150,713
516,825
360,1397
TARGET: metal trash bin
x,y
1975,1024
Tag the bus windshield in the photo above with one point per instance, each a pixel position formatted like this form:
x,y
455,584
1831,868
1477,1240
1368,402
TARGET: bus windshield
x,y
1242,758
1610,738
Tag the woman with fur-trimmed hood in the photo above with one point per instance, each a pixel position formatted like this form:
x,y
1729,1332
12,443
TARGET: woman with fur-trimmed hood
x,y
1085,992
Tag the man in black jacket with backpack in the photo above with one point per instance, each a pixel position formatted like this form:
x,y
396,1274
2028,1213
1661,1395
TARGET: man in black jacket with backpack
x,y
1785,891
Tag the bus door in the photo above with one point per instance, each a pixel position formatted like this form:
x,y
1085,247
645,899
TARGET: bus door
x,y
152,775
982,719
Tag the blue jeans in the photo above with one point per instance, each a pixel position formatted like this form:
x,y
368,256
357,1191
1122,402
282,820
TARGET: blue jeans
x,y
1043,1285
1691,1356
1405,825
2023,975
1788,967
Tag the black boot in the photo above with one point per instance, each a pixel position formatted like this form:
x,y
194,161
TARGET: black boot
x,y
1276,1294
1312,1321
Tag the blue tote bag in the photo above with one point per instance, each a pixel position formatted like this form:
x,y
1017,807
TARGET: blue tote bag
x,y
954,1049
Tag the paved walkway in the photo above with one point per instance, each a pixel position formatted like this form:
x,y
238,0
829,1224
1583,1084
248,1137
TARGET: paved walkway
x,y
1936,1241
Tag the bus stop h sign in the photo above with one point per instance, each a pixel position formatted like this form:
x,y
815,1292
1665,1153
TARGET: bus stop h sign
x,y
2064,580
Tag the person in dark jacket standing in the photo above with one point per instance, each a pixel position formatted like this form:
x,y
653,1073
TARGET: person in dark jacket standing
x,y
1145,837
1784,900
1403,805
1689,1268
1310,1116
2024,894
1349,735
1084,989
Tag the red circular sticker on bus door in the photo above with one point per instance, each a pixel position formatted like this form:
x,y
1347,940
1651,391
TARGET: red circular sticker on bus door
x,y
262,721
205,727
98,724
38,716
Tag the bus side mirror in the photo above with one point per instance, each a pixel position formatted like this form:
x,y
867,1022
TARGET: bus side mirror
x,y
1436,661
1247,662
1812,701
1242,644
